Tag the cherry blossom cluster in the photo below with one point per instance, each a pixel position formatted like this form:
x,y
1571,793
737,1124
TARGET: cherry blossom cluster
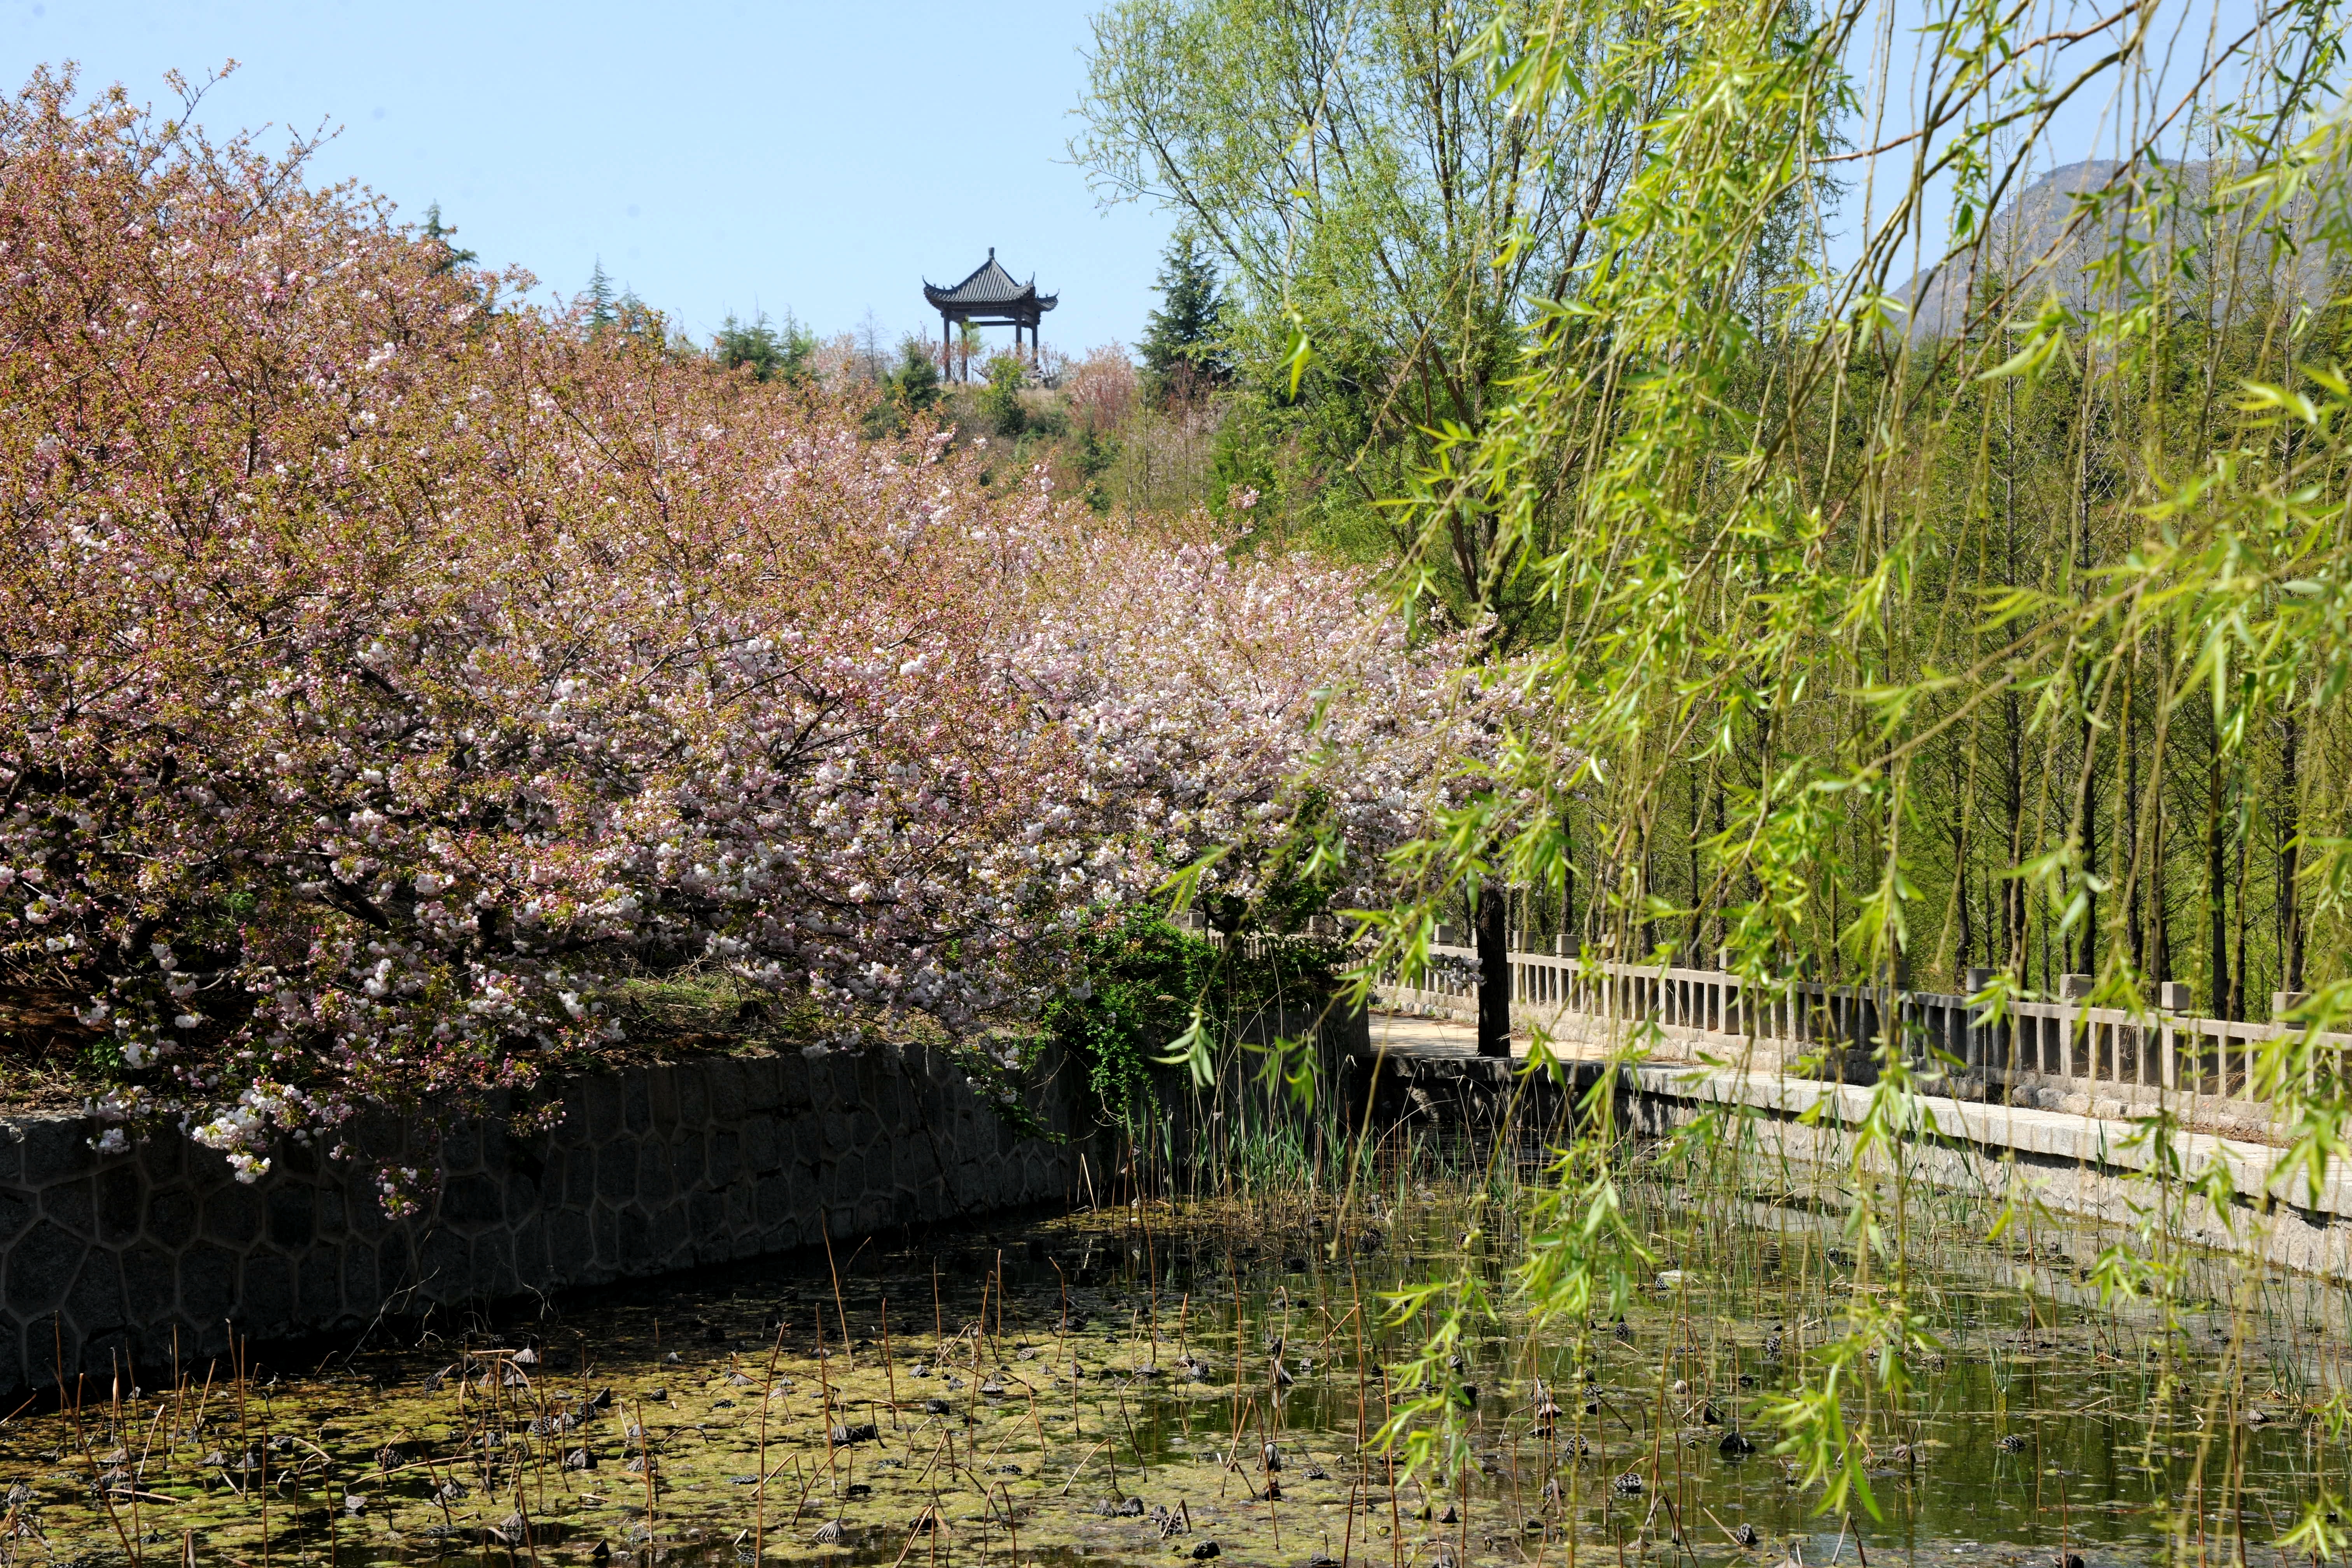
x,y
391,669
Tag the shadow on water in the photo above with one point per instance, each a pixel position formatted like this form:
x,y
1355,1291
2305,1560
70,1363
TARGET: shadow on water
x,y
1182,1383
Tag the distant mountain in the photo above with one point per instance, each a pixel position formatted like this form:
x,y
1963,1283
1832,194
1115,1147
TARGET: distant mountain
x,y
2038,238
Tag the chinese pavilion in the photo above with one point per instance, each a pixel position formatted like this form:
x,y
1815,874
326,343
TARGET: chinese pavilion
x,y
990,298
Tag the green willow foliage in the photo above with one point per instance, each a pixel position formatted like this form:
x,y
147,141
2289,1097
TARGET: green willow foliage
x,y
1945,536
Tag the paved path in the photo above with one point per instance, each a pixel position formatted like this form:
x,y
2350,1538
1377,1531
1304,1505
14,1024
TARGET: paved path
x,y
1439,1039
1404,1034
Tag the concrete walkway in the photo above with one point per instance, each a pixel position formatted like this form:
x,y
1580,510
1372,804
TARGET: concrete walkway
x,y
1429,1036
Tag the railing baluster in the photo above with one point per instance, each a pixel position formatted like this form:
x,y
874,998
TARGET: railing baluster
x,y
2169,1051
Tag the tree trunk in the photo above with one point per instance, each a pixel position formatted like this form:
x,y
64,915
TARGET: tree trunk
x,y
2012,888
1718,928
1572,925
1649,886
1489,920
2239,976
2086,814
2160,885
2291,857
2217,906
1694,933
1964,801
2132,875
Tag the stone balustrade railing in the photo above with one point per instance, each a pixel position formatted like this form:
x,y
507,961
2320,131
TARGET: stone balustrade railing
x,y
2032,1052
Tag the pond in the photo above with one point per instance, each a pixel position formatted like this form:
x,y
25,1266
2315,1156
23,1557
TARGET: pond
x,y
1186,1382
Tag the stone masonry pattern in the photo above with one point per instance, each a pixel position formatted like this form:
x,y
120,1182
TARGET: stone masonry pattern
x,y
103,1257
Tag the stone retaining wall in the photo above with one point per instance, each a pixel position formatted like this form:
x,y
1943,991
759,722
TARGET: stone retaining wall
x,y
104,1258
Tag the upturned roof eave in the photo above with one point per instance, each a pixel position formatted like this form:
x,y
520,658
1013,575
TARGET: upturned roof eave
x,y
989,287
1028,296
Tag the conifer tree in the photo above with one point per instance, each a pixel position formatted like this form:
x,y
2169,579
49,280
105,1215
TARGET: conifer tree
x,y
1182,344
772,353
916,382
602,303
437,233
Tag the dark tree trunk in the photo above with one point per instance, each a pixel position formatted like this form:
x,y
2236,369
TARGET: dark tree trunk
x,y
1490,931
1572,925
1964,797
1718,928
2013,936
2291,858
2087,814
2160,885
2134,875
2239,979
2217,906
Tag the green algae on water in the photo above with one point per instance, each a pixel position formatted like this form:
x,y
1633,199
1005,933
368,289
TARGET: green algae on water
x,y
1164,1384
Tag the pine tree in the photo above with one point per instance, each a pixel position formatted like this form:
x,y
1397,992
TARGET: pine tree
x,y
602,312
916,383
1182,341
772,353
639,320
438,234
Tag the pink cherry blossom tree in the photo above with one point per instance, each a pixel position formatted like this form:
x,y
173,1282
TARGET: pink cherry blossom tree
x,y
392,668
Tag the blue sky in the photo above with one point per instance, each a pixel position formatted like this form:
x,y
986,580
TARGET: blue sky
x,y
731,155
817,158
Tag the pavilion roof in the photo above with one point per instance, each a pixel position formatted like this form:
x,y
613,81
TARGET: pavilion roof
x,y
989,287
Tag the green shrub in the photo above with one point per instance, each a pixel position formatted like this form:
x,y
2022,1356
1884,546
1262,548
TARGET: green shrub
x,y
999,400
1143,982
